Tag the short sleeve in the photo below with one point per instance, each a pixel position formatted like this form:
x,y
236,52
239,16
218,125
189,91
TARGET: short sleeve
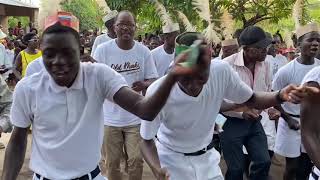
x,y
21,114
109,81
97,55
237,90
150,70
280,80
34,67
312,76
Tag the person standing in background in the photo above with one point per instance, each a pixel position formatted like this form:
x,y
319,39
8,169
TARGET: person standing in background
x,y
108,22
28,55
5,105
164,55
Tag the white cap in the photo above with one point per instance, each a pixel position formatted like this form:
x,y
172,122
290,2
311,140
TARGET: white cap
x,y
312,27
110,16
169,28
2,35
229,42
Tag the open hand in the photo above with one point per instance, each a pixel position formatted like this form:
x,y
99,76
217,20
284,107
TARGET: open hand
x,y
179,70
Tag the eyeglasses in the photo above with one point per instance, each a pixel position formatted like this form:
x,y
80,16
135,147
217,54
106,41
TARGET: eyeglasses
x,y
122,25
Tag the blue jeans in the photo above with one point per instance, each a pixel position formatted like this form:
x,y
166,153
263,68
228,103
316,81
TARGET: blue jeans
x,y
238,133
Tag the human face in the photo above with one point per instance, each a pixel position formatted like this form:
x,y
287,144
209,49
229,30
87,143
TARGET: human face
x,y
272,50
21,32
256,54
125,27
61,57
229,50
193,85
154,43
34,42
170,38
310,43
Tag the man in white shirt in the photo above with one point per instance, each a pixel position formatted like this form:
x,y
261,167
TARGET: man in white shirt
x,y
63,103
109,22
276,60
310,123
288,139
164,55
134,62
177,144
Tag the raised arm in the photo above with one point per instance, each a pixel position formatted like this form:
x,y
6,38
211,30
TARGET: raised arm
x,y
310,124
15,154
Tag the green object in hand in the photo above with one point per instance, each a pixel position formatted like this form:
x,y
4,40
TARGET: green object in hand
x,y
193,53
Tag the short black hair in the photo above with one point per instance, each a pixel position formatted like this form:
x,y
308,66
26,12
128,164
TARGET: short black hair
x,y
58,28
126,11
26,38
34,30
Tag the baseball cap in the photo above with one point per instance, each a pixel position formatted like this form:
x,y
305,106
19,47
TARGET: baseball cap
x,y
254,36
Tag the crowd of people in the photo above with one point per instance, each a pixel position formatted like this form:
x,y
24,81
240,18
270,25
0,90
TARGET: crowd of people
x,y
96,101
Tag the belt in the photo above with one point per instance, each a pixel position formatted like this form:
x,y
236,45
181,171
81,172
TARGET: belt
x,y
292,115
202,151
93,174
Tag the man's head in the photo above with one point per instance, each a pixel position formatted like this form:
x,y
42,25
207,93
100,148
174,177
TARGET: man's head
x,y
19,24
271,50
154,42
254,42
194,82
170,32
125,26
309,40
34,30
10,30
229,47
21,33
60,47
109,21
31,40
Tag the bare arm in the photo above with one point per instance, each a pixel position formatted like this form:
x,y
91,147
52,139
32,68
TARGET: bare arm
x,y
310,124
17,70
150,155
146,108
15,154
263,100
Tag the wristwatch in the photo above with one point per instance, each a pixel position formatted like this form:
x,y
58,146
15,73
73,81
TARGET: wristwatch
x,y
279,99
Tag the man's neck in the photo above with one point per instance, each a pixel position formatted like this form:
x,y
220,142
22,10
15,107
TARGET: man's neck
x,y
306,60
194,93
31,51
112,35
168,49
250,64
125,45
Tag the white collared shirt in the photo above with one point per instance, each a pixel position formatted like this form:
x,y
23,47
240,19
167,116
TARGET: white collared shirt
x,y
67,123
185,122
35,66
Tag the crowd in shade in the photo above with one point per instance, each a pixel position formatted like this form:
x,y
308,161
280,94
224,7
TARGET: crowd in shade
x,y
174,100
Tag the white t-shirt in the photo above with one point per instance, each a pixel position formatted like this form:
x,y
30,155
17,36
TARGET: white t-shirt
x,y
103,38
134,65
162,60
276,63
64,120
35,66
312,76
185,122
291,73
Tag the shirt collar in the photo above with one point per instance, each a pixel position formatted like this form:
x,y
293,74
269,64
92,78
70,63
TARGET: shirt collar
x,y
77,84
239,61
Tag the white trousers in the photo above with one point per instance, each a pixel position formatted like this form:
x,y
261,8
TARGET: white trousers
x,y
288,141
99,177
181,167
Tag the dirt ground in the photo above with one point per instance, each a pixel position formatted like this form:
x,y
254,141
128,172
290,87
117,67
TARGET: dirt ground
x,y
276,171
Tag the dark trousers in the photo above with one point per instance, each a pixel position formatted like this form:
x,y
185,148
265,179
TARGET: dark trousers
x,y
238,132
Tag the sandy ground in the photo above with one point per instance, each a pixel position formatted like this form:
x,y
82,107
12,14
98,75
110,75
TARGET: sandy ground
x,y
276,171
